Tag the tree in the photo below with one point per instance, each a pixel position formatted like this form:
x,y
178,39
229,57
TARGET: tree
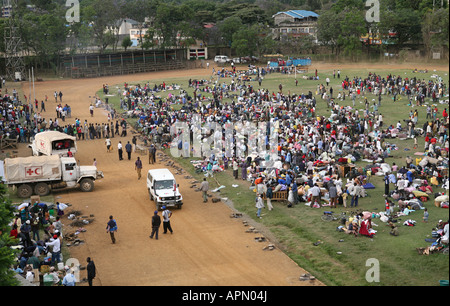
x,y
81,35
352,27
103,16
252,40
248,13
404,23
49,42
435,26
167,18
7,255
327,27
126,42
139,10
228,27
294,45
342,26
148,39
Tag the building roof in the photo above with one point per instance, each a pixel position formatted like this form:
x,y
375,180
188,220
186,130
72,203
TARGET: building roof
x,y
300,14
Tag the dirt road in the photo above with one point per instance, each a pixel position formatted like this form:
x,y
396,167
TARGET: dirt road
x,y
207,248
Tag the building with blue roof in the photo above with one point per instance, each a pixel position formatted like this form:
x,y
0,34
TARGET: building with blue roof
x,y
295,23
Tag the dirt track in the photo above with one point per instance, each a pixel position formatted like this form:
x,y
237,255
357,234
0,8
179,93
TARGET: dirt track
x,y
207,246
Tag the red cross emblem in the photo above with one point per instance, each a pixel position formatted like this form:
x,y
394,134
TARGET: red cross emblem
x,y
33,171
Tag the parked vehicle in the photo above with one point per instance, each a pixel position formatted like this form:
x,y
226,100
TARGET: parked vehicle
x,y
163,188
221,59
40,174
53,143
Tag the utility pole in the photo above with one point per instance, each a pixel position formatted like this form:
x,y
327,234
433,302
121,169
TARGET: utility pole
x,y
14,61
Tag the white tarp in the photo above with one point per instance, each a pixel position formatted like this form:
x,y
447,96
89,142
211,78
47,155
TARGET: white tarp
x,y
33,168
54,142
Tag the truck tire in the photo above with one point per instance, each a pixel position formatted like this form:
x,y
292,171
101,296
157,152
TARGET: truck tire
x,y
151,197
24,191
41,189
86,185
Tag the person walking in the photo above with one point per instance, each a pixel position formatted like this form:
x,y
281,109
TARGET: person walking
x,y
204,187
156,223
357,191
128,149
167,214
90,270
120,150
235,169
315,195
108,145
332,192
259,205
269,196
138,167
152,154
386,184
111,228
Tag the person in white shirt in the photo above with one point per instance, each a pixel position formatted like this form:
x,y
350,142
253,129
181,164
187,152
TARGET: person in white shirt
x,y
55,243
69,279
108,145
259,205
119,149
315,195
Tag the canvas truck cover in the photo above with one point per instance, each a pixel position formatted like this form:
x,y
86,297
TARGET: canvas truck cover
x,y
51,142
32,169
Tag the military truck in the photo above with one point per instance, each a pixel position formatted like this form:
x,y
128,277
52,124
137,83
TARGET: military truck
x,y
39,175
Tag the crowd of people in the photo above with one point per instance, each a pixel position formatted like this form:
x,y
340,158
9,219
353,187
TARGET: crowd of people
x,y
307,157
38,226
311,151
22,118
39,229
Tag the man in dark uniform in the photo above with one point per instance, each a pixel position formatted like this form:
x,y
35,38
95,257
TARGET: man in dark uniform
x,y
156,223
128,148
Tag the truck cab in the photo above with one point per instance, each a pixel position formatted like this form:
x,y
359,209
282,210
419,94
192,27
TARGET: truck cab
x,y
163,189
74,174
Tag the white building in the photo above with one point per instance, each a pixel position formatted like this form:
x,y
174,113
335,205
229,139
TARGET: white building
x,y
295,23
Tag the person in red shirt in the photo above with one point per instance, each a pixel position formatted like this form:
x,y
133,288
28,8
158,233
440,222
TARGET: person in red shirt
x,y
13,232
444,113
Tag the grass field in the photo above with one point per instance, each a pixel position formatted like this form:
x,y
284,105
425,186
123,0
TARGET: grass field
x,y
297,229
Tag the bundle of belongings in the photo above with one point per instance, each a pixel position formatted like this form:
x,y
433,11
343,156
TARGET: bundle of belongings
x,y
439,240
441,200
409,222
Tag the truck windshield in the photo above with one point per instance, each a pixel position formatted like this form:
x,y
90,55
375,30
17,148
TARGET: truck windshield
x,y
166,184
